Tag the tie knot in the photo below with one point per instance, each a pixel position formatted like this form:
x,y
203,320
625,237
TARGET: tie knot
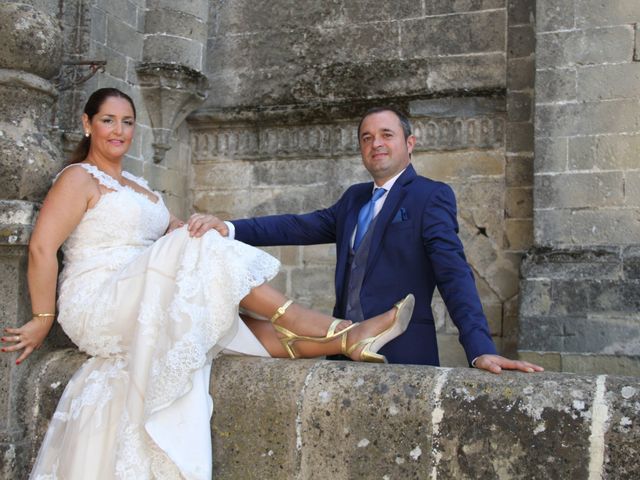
x,y
377,194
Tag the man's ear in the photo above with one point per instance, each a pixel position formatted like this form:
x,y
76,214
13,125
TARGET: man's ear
x,y
411,142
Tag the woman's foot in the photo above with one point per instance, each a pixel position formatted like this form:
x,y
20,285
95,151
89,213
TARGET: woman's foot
x,y
314,333
363,342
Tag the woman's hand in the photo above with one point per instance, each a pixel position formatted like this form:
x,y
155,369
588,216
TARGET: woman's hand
x,y
200,223
28,337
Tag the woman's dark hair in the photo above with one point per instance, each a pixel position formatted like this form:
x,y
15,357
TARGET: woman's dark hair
x,y
92,107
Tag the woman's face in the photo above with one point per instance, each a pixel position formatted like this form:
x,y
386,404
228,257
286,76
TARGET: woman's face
x,y
111,129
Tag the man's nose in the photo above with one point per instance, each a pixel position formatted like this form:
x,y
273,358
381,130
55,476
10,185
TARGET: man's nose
x,y
377,142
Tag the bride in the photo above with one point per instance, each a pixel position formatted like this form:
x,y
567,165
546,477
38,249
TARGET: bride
x,y
153,301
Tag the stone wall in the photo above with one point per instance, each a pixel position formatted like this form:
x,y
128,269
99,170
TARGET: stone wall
x,y
289,81
580,305
314,419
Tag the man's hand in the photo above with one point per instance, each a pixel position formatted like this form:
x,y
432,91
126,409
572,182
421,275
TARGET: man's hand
x,y
496,363
200,223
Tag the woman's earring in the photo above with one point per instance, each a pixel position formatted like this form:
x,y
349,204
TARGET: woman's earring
x,y
87,134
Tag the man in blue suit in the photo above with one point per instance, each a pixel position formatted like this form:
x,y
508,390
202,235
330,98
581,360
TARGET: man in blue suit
x,y
408,244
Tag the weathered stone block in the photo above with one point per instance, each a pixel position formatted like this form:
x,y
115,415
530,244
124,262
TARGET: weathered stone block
x,y
166,180
373,11
224,175
519,107
294,172
521,41
584,47
289,85
226,205
614,296
533,422
172,50
197,8
247,16
521,12
117,64
535,296
255,51
175,22
520,73
579,190
577,264
540,333
459,166
453,34
518,171
548,227
124,10
631,262
604,152
599,364
520,137
438,7
450,351
98,29
124,38
457,107
609,82
519,202
552,15
230,417
551,154
632,189
313,281
618,227
290,255
556,86
319,255
615,116
593,13
622,398
518,234
570,297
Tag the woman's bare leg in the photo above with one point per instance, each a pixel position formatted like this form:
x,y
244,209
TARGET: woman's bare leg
x,y
265,300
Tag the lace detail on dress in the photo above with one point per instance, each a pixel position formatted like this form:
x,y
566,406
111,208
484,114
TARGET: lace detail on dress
x,y
96,393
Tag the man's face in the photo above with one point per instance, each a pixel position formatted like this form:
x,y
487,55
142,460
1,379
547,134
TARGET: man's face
x,y
385,151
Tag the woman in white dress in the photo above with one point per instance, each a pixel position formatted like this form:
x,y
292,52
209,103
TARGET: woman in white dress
x,y
153,301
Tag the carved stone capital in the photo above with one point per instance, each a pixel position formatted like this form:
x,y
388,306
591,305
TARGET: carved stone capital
x,y
170,93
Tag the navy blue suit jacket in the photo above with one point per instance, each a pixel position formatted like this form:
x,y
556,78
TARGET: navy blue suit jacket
x,y
415,248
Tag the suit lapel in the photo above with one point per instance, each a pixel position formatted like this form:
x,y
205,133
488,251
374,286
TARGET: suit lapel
x,y
389,209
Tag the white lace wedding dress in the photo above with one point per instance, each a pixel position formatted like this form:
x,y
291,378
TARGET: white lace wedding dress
x,y
152,311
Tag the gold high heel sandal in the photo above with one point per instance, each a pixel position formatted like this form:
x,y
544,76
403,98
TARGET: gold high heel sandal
x,y
373,344
290,338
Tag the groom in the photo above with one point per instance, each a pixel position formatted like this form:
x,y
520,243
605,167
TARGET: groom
x,y
394,235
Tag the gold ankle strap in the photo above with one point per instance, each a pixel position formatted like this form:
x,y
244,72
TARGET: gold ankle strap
x,y
280,311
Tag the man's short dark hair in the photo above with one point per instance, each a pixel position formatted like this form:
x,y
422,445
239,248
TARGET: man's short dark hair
x,y
404,121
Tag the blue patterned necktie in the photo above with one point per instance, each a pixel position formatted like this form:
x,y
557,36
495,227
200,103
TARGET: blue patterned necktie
x,y
366,216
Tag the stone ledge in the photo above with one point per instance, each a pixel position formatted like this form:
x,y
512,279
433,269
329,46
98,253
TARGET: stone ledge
x,y
318,419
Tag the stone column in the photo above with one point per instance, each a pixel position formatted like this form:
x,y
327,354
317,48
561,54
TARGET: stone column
x,y
30,55
580,308
171,72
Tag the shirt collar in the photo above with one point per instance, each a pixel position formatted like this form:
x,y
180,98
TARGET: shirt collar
x,y
389,183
